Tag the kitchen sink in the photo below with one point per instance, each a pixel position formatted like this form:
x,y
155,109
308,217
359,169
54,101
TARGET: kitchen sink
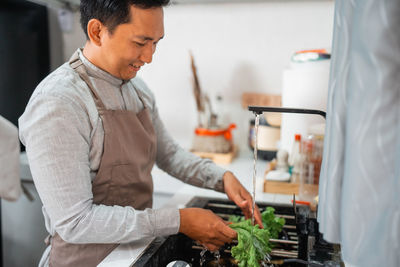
x,y
299,244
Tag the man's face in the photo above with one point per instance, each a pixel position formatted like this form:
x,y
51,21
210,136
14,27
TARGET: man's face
x,y
132,44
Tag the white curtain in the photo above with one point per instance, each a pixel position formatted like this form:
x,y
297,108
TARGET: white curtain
x,y
360,180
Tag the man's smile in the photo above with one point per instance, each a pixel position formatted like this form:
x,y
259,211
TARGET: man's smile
x,y
135,67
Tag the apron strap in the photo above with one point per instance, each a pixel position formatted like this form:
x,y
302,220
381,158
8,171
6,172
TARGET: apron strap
x,y
76,63
140,97
47,240
139,94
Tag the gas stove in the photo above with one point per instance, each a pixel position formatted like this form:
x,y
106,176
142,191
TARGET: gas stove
x,y
299,243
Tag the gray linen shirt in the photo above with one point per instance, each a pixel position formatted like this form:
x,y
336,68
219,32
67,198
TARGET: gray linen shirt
x,y
64,135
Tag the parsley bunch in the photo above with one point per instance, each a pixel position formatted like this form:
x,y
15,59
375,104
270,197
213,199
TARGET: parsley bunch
x,y
253,242
271,222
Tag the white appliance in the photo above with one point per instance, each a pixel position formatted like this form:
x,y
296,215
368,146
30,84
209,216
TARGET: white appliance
x,y
305,85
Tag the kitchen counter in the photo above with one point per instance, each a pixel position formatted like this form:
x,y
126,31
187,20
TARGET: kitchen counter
x,y
242,167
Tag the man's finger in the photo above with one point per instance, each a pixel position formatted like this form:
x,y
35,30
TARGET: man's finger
x,y
238,199
229,233
221,239
250,206
244,206
257,217
210,247
247,208
217,242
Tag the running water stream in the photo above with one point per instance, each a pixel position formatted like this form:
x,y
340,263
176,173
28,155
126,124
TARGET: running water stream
x,y
257,122
202,256
217,255
267,258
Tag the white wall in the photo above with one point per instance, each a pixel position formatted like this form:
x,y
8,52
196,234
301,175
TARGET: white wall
x,y
238,47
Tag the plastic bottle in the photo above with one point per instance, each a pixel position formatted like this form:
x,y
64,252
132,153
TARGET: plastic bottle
x,y
294,157
282,160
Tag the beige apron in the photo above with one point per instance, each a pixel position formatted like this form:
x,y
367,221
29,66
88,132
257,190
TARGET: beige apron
x,y
124,176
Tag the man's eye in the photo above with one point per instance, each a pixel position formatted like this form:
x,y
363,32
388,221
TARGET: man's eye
x,y
139,44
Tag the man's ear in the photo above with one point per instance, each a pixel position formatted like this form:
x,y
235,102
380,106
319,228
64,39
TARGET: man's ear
x,y
95,30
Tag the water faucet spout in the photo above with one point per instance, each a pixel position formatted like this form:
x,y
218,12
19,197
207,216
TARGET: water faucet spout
x,y
261,109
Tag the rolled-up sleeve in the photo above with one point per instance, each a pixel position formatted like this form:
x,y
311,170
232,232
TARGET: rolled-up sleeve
x,y
56,132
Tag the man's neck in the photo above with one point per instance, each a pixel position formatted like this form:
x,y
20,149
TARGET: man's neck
x,y
90,54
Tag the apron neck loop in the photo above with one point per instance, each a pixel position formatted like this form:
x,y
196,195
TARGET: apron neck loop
x,y
76,63
140,97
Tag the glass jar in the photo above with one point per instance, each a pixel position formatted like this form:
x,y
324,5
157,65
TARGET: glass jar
x,y
310,162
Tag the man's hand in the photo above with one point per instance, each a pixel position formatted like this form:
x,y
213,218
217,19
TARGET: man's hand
x,y
205,227
238,194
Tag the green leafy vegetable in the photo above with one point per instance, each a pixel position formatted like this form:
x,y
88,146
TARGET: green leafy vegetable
x,y
253,242
236,218
271,222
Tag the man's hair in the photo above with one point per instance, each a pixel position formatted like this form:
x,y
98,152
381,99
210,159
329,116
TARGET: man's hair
x,y
113,12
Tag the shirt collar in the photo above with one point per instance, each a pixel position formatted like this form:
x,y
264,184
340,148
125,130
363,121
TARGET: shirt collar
x,y
96,72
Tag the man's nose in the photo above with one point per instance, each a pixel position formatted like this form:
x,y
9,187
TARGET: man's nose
x,y
147,54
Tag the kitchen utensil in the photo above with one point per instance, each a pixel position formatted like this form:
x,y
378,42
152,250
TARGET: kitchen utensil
x,y
268,137
207,118
213,140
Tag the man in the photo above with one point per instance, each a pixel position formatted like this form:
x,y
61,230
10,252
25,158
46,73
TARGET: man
x,y
92,134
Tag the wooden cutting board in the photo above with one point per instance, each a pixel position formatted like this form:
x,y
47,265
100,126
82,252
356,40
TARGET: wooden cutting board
x,y
287,188
219,158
